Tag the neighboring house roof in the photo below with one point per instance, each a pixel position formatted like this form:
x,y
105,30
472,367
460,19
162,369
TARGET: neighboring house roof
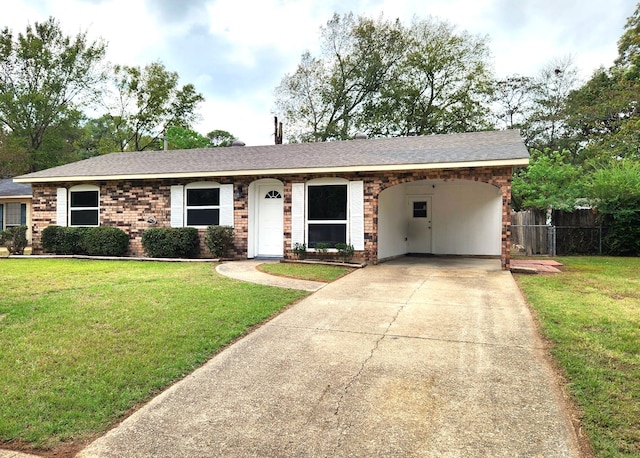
x,y
9,188
493,148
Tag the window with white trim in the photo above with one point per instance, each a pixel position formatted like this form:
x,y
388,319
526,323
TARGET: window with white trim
x,y
84,206
202,204
327,214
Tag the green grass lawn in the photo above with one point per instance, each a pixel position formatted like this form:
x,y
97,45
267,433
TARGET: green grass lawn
x,y
83,342
314,272
591,313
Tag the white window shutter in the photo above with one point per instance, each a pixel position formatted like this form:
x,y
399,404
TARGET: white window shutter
x,y
356,214
297,213
61,207
177,206
226,205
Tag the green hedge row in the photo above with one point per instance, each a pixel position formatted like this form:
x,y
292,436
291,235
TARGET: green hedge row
x,y
171,242
159,242
92,241
184,242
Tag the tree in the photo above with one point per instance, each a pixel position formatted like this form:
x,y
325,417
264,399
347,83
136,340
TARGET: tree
x,y
546,126
181,138
549,181
14,158
604,114
383,78
147,101
220,138
629,46
44,76
440,85
99,137
513,101
615,190
323,99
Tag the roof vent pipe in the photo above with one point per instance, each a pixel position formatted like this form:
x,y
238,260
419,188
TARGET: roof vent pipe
x,y
237,142
360,136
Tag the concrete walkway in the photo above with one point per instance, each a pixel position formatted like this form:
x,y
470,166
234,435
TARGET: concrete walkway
x,y
247,271
416,357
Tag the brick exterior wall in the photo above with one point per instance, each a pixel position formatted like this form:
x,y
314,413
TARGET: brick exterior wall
x,y
128,204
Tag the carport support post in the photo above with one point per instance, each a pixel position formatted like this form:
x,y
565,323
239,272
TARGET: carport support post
x,y
505,256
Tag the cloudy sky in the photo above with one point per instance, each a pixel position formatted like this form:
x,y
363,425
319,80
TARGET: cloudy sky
x,y
236,51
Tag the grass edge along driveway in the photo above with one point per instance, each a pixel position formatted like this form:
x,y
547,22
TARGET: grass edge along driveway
x,y
83,342
591,315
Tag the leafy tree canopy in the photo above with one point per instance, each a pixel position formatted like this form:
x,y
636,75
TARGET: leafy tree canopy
x,y
549,181
44,77
146,102
181,138
220,138
384,78
604,114
616,186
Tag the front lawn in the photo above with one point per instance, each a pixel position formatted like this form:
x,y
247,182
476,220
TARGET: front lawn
x,y
83,342
313,272
591,313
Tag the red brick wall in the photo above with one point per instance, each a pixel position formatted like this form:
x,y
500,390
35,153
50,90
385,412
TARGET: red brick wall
x,y
128,204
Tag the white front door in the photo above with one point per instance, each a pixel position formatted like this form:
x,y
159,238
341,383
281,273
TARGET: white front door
x,y
270,220
419,224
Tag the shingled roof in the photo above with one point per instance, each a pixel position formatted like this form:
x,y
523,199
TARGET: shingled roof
x,y
494,148
8,188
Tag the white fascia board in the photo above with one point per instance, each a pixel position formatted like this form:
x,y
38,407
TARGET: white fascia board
x,y
15,197
316,170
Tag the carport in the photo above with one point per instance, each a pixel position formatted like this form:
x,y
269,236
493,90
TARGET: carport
x,y
440,216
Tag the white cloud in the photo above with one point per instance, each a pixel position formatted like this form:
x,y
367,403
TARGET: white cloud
x,y
248,119
249,27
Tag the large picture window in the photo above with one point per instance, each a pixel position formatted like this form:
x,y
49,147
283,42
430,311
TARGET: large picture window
x,y
327,214
203,206
84,206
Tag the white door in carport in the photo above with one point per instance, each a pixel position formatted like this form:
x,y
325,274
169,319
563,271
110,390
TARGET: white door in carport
x,y
419,224
270,220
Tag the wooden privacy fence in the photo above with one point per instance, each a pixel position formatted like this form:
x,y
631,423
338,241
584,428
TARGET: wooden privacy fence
x,y
558,233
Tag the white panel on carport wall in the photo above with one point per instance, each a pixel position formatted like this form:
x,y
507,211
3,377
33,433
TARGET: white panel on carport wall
x,y
467,219
392,222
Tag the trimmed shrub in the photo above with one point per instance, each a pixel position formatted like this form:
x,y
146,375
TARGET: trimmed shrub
x,y
300,250
171,242
54,240
104,241
322,249
14,239
345,251
218,240
92,241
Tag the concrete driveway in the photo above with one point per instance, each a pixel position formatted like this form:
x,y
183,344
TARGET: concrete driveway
x,y
416,357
